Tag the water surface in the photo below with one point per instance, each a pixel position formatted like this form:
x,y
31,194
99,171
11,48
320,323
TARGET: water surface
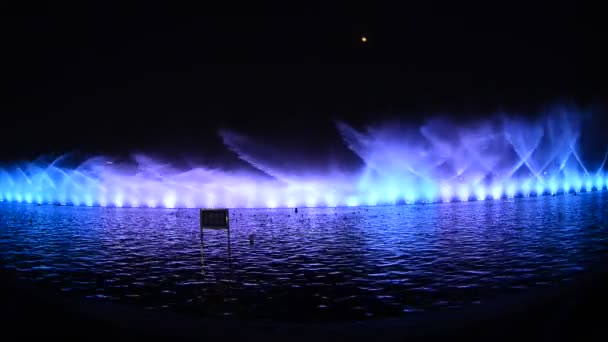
x,y
318,264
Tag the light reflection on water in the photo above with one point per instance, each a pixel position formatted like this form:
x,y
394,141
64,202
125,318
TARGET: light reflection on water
x,y
325,263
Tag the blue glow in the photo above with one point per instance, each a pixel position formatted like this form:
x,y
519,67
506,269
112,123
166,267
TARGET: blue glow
x,y
578,185
497,192
372,199
352,202
511,190
270,203
599,183
553,186
151,203
118,200
392,196
169,200
428,189
463,193
330,201
410,197
311,201
88,200
480,193
446,193
525,188
540,189
491,161
75,201
588,185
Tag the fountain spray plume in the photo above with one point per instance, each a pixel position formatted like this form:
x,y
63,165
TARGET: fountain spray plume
x,y
437,162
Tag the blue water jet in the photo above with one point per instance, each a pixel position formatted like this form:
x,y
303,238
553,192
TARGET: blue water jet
x,y
436,162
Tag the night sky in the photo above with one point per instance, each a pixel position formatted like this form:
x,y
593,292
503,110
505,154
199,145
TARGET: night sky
x,y
119,79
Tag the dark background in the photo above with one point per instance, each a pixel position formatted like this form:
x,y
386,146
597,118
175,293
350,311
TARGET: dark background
x,y
141,77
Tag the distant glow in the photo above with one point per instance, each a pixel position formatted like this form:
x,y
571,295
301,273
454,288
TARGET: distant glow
x,y
151,203
525,188
372,199
578,184
497,192
424,165
463,193
210,201
511,190
480,193
392,196
446,193
410,197
352,202
311,201
88,201
553,186
169,200
330,201
429,192
271,203
118,200
364,39
540,189
599,183
76,201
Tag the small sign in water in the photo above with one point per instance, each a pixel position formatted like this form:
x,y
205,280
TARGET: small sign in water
x,y
214,218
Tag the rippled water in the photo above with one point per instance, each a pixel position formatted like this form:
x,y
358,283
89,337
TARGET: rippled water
x,y
318,264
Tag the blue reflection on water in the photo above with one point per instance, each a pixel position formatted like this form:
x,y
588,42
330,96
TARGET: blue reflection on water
x,y
319,263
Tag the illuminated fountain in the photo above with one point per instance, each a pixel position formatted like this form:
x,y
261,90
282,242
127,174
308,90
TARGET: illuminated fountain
x,y
438,162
